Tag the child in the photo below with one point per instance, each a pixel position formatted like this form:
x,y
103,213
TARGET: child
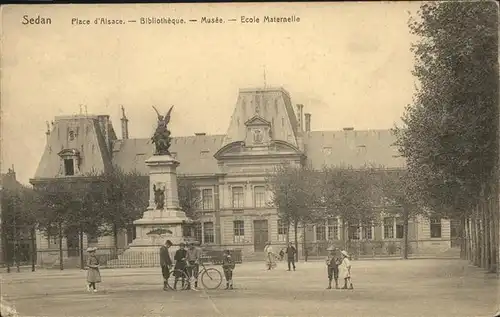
x,y
228,267
332,263
282,255
345,269
93,274
180,264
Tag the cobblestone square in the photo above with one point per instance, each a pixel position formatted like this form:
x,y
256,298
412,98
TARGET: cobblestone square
x,y
382,288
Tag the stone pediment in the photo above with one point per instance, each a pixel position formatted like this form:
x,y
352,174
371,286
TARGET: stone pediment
x,y
69,152
257,121
241,149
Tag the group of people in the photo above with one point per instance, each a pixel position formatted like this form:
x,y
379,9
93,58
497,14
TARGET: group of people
x,y
290,251
188,261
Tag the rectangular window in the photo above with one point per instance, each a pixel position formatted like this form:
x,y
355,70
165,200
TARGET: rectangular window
x,y
389,228
207,198
320,232
208,232
435,227
367,233
53,237
91,238
282,230
399,228
198,232
239,230
238,199
354,232
259,196
69,168
333,229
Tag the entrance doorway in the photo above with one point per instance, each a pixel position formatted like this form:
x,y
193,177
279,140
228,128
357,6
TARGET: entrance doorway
x,y
260,234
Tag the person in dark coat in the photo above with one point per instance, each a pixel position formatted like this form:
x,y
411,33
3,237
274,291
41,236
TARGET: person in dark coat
x,y
165,263
332,263
291,251
228,267
180,263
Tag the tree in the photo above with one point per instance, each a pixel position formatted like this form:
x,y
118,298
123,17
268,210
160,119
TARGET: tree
x,y
294,194
347,195
19,207
449,133
57,212
189,197
400,199
124,198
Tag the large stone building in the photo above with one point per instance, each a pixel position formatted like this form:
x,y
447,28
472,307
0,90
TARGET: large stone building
x,y
265,129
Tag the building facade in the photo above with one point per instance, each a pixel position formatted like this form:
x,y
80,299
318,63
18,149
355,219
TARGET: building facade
x,y
265,130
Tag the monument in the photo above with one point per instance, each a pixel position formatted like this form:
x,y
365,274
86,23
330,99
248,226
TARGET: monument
x,y
163,217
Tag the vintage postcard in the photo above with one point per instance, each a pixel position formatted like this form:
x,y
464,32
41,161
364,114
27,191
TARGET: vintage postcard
x,y
250,159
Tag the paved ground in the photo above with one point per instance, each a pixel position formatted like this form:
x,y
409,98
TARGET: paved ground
x,y
383,288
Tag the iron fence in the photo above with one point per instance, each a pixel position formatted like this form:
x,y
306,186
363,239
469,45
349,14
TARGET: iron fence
x,y
123,257
385,248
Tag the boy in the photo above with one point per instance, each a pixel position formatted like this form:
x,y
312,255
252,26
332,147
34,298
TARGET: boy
x,y
165,263
180,263
228,267
193,256
332,263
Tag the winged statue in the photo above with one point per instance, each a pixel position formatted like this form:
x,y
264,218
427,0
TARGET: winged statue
x,y
161,138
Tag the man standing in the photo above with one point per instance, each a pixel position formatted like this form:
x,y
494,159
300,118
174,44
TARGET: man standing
x,y
193,260
165,263
291,251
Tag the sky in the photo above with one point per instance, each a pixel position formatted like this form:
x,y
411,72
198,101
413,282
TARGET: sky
x,y
348,63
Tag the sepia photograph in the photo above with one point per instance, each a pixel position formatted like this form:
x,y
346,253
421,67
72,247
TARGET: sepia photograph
x,y
250,159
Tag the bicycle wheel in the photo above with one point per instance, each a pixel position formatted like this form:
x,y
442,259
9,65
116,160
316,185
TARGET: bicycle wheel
x,y
211,278
178,280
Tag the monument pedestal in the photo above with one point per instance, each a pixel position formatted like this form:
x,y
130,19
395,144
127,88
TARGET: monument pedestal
x,y
162,220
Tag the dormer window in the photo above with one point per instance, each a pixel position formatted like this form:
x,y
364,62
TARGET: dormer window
x,y
69,167
70,159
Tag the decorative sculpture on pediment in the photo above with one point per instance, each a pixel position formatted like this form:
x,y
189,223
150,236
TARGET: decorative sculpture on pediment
x,y
159,194
161,138
257,136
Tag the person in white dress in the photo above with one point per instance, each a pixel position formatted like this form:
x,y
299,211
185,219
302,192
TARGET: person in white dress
x,y
345,270
268,250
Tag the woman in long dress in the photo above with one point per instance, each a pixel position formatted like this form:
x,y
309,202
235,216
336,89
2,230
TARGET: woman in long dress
x,y
93,273
345,270
270,262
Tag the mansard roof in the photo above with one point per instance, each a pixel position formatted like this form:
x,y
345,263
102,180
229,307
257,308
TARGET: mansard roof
x,y
355,149
195,153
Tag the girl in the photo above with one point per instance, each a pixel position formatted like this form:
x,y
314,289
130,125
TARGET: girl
x,y
270,262
345,270
93,274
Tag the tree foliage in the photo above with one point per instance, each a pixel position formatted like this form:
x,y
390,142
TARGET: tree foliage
x,y
294,193
347,194
449,133
189,197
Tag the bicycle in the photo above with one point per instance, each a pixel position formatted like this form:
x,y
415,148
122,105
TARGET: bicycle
x,y
211,278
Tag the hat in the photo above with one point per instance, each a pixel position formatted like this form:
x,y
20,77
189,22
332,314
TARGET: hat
x,y
344,253
91,249
182,244
330,249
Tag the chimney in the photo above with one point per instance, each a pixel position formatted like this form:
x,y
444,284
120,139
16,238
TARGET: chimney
x,y
11,173
349,129
47,133
307,119
300,116
124,121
